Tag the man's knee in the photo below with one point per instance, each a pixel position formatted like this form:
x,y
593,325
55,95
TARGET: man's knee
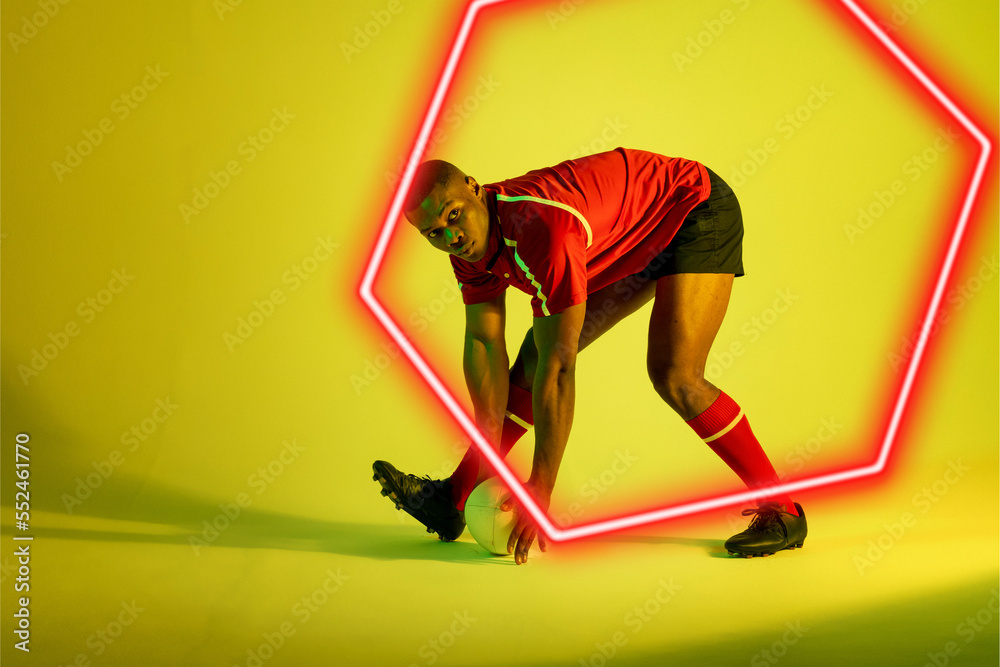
x,y
676,384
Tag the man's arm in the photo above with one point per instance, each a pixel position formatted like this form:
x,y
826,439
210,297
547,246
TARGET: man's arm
x,y
486,365
557,338
553,395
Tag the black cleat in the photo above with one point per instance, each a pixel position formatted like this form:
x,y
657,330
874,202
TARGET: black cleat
x,y
771,530
426,500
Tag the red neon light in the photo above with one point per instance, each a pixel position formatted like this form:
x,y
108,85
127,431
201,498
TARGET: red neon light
x,y
906,389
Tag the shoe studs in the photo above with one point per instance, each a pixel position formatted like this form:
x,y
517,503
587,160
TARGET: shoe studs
x,y
748,556
796,545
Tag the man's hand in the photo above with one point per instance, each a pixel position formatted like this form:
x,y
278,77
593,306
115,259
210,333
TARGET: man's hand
x,y
525,530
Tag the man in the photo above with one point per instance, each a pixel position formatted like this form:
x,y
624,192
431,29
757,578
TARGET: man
x,y
590,240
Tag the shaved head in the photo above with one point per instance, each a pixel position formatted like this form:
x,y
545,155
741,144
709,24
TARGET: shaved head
x,y
430,174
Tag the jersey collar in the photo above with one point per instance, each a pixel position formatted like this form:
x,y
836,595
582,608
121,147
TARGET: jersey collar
x,y
495,233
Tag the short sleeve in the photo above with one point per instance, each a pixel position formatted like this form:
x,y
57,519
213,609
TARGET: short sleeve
x,y
476,286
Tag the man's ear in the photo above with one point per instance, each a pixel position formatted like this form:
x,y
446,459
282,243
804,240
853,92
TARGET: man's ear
x,y
476,189
414,217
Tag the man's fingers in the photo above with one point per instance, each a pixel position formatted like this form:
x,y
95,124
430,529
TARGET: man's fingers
x,y
523,545
522,536
507,504
514,534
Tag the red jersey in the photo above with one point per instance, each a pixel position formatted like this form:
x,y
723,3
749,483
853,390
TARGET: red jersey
x,y
566,231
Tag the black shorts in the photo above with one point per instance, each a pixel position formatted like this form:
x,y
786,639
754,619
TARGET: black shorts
x,y
710,240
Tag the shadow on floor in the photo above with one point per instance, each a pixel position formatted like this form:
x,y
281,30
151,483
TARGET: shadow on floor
x,y
203,525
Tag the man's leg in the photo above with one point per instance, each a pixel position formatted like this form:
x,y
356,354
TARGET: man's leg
x,y
605,308
688,310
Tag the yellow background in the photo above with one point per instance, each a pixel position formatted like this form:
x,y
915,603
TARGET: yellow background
x,y
288,231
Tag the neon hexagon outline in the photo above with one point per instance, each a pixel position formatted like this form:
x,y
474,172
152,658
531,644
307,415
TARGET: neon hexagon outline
x,y
661,514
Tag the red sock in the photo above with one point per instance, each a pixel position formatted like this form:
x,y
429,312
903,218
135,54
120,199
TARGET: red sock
x,y
725,429
515,424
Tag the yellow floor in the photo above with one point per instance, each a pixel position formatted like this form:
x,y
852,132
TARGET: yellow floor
x,y
383,593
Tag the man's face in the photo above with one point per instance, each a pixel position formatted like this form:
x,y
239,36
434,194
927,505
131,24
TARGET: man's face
x,y
454,218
